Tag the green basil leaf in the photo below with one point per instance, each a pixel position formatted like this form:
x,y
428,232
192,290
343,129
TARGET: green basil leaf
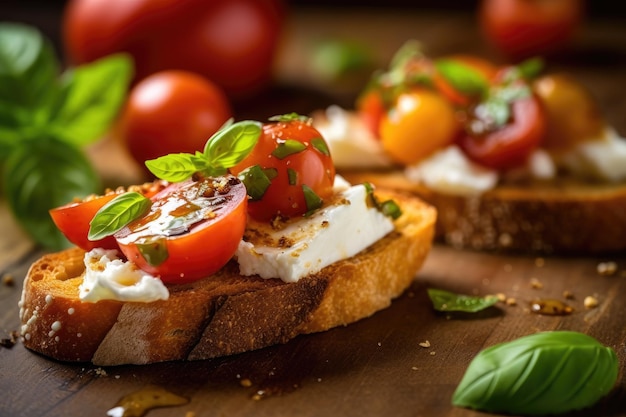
x,y
463,77
257,180
288,148
118,213
531,68
544,373
289,117
28,67
447,301
174,167
40,175
91,98
154,251
312,200
321,146
232,144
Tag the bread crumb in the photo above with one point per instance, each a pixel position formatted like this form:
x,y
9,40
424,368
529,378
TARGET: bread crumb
x,y
10,341
536,284
432,353
568,295
380,344
246,383
414,368
425,344
511,301
100,372
607,268
590,302
501,297
8,280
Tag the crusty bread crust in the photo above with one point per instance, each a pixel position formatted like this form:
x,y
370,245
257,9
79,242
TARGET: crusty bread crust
x,y
223,314
563,217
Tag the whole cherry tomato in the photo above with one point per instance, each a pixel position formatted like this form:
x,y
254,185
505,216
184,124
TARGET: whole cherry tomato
x,y
525,28
572,112
172,112
192,230
73,219
504,144
231,42
420,122
289,172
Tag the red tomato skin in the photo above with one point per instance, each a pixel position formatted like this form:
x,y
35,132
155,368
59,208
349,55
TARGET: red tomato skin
x,y
193,35
315,170
509,146
73,221
172,112
525,28
202,251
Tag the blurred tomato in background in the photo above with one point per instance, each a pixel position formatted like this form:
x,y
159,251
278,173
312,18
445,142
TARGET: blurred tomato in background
x,y
230,42
524,28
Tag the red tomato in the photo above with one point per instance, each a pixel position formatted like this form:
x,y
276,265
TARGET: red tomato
x,y
525,28
172,112
231,42
509,145
73,219
296,161
191,231
371,109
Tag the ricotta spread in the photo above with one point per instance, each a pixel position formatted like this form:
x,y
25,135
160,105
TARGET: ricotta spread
x,y
303,246
107,277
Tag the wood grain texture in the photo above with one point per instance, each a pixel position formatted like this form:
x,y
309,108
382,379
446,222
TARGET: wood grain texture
x,y
376,366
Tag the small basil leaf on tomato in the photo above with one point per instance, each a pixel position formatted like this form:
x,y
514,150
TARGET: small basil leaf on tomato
x,y
118,213
447,301
463,77
321,146
257,180
232,144
292,176
289,117
154,251
312,200
287,148
173,167
551,372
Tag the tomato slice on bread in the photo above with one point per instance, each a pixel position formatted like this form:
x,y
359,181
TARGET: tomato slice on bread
x,y
191,231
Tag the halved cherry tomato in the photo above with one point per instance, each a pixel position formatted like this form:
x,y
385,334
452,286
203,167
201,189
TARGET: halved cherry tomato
x,y
420,122
192,230
506,146
73,219
290,167
573,114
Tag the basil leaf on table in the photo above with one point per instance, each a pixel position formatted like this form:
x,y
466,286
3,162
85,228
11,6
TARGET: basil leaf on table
x,y
544,373
447,301
41,174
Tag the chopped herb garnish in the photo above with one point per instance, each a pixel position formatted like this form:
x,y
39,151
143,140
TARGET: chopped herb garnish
x,y
257,180
293,176
321,146
154,251
312,200
289,117
287,148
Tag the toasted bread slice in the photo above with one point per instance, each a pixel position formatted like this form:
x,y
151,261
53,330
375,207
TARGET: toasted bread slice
x,y
222,314
553,217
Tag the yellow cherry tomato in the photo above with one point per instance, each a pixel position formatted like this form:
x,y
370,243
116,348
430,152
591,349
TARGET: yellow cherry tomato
x,y
573,114
420,123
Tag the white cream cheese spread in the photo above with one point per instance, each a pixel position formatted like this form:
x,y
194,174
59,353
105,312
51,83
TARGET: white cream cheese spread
x,y
304,246
107,277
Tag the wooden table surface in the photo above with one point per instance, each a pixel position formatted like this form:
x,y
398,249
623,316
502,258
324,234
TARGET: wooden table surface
x,y
376,366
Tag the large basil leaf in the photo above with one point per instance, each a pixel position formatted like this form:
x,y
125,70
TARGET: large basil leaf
x,y
28,67
544,373
42,174
91,98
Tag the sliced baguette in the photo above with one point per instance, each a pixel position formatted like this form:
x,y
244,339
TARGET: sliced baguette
x,y
222,314
564,217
